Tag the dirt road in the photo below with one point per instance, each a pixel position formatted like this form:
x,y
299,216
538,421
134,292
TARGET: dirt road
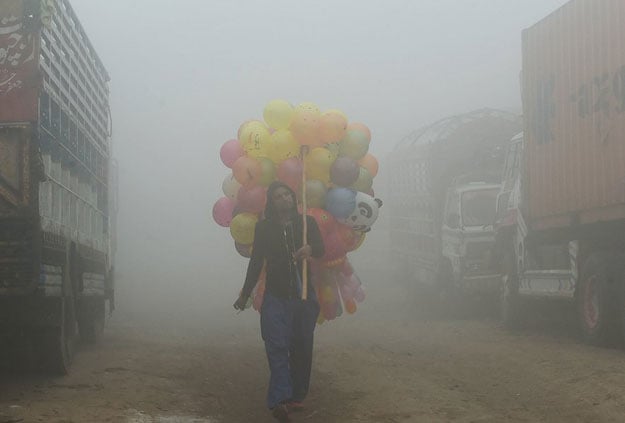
x,y
380,365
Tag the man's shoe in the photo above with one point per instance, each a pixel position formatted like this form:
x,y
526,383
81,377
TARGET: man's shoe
x,y
295,406
281,413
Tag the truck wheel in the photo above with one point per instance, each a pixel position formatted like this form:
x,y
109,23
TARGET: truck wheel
x,y
510,303
57,350
57,345
596,306
91,323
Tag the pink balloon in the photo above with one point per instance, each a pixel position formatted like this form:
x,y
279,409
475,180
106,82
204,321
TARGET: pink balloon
x,y
252,199
354,282
346,292
347,269
230,152
290,172
359,296
222,211
243,249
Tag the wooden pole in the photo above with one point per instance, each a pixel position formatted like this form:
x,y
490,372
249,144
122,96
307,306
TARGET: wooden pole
x,y
303,153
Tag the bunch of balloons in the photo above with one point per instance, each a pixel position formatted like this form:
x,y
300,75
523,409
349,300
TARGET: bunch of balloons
x,y
333,155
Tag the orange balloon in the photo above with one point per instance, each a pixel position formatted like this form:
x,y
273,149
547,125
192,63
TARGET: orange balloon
x,y
370,163
305,128
350,306
361,127
332,126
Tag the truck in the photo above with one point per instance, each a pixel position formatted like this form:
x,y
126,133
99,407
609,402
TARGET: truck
x,y
561,209
444,181
57,201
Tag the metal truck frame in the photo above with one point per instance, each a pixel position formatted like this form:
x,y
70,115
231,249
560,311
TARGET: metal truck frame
x,y
436,249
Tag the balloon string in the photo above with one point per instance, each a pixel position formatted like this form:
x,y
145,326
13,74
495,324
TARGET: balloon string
x,y
304,151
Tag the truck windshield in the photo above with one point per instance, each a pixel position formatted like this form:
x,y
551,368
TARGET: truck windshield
x,y
479,208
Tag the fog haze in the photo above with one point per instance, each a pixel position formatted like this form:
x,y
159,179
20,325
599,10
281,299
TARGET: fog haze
x,y
186,74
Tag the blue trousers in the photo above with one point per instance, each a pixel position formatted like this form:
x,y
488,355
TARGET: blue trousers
x,y
287,327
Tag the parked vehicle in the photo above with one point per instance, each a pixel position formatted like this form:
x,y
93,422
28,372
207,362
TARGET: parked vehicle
x,y
444,181
562,205
56,255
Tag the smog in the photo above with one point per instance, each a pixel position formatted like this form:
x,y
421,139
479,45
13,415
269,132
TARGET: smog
x,y
475,276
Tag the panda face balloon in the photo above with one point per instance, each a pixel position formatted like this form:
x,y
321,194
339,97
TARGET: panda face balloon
x,y
365,214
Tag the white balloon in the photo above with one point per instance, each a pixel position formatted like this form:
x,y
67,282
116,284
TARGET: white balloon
x,y
231,187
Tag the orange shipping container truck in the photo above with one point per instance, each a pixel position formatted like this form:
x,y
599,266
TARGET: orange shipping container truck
x,y
561,210
573,85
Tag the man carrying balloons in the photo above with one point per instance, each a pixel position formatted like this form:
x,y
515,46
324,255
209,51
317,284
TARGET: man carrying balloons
x,y
287,320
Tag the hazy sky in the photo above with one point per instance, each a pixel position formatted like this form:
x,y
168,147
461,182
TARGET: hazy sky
x,y
185,74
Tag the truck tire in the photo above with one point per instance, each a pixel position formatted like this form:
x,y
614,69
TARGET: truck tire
x,y
57,346
596,303
91,322
58,343
510,302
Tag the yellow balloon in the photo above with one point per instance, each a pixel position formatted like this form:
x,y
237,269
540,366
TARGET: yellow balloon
x,y
319,158
242,228
334,148
308,107
247,125
321,175
318,163
316,193
278,113
256,141
283,146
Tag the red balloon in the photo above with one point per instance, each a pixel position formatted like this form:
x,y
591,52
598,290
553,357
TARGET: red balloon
x,y
332,241
252,199
290,172
325,221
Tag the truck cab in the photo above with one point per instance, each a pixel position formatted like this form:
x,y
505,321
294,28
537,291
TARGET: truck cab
x,y
468,236
529,269
509,194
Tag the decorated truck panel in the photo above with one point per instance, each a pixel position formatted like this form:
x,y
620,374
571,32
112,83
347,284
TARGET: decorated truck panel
x,y
56,205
